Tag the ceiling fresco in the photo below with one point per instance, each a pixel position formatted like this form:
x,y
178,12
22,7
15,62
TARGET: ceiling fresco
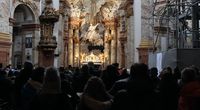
x,y
88,9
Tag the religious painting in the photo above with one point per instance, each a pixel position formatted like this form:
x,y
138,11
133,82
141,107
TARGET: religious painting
x,y
28,43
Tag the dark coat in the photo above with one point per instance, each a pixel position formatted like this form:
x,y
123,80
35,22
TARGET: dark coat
x,y
51,102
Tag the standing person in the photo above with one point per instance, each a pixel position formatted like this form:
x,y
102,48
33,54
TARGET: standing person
x,y
20,80
81,79
67,88
6,89
109,76
93,70
32,87
135,92
51,96
154,77
190,90
168,90
95,96
1,66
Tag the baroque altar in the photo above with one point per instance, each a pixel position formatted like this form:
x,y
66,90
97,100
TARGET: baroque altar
x,y
92,45
92,35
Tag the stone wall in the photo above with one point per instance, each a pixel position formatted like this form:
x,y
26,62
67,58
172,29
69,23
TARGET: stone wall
x,y
5,45
4,15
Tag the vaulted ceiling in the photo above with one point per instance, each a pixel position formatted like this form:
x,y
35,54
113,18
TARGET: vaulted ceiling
x,y
107,9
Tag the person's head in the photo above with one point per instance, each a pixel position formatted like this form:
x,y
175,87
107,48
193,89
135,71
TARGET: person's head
x,y
116,65
111,68
70,67
52,81
111,72
38,74
90,64
169,69
177,73
3,74
196,69
154,72
61,69
188,75
94,86
84,69
28,66
139,70
1,65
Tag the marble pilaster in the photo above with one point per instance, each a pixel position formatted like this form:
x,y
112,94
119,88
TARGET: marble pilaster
x,y
70,48
111,40
113,45
123,40
65,39
107,46
73,42
76,48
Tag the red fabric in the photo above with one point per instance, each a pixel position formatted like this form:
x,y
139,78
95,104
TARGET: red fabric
x,y
189,93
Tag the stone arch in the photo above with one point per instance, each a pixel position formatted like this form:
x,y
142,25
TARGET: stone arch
x,y
23,33
27,11
31,6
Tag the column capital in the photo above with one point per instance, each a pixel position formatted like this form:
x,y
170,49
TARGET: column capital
x,y
75,22
146,43
128,7
145,46
110,23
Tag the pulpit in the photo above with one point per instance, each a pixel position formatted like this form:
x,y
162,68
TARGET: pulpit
x,y
47,43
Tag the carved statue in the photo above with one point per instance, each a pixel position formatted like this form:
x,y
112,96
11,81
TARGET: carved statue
x,y
91,32
75,11
93,35
49,11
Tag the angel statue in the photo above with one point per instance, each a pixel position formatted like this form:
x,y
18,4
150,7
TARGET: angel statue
x,y
93,35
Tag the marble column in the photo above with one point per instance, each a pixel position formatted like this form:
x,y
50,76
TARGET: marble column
x,y
106,46
73,46
70,47
113,45
123,40
65,40
76,48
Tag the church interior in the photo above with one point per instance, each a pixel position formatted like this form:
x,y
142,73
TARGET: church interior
x,y
74,32
99,54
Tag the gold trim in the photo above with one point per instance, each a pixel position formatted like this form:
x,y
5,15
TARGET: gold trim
x,y
5,36
145,43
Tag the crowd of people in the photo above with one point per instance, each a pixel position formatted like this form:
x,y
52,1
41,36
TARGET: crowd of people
x,y
89,88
